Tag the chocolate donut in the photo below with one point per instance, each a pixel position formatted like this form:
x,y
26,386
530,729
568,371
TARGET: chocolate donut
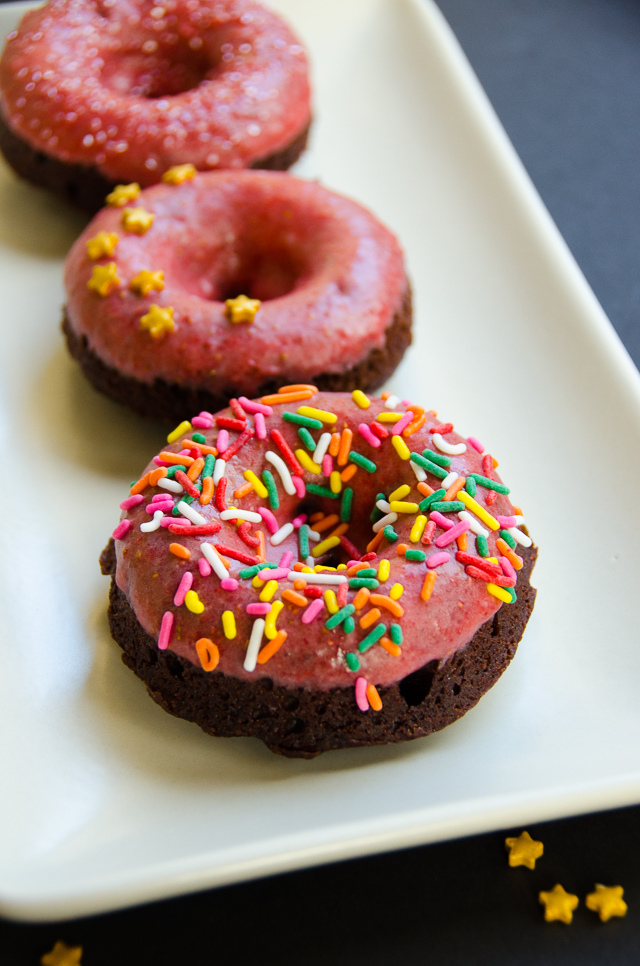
x,y
233,283
319,570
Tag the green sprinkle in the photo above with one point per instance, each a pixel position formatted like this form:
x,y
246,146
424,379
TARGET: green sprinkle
x,y
390,533
470,486
303,541
437,457
349,626
362,461
302,420
449,506
489,484
372,638
345,506
367,572
249,572
370,583
352,661
513,594
175,512
322,491
482,545
425,504
209,463
395,633
172,470
270,483
417,555
307,439
133,483
506,536
199,438
339,616
376,513
428,466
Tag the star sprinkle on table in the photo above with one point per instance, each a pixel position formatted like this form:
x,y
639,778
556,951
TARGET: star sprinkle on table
x,y
104,243
62,955
158,321
242,309
524,850
558,904
137,220
122,194
104,279
607,901
179,173
145,281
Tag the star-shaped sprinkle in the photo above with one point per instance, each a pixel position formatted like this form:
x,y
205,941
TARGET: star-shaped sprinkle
x,y
122,194
524,850
101,245
62,955
137,220
558,904
158,321
179,173
242,309
143,283
607,901
104,278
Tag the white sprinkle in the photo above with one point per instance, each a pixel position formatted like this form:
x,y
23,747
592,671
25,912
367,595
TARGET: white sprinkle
x,y
384,506
381,524
187,511
234,514
321,448
314,535
391,402
310,561
253,647
281,534
420,473
519,520
448,480
152,524
216,564
451,449
318,578
283,470
474,525
520,537
171,485
218,471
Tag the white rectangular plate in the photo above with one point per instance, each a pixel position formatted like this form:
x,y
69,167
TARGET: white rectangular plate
x,y
108,801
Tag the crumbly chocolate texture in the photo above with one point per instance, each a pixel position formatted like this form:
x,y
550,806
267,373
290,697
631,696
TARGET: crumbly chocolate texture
x,y
83,185
300,723
170,401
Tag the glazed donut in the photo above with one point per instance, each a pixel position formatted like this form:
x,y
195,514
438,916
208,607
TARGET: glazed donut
x,y
95,92
325,571
146,314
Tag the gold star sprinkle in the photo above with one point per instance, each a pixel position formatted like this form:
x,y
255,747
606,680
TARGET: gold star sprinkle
x,y
122,194
179,173
158,321
137,220
104,243
145,281
242,309
62,955
607,901
558,904
104,278
524,850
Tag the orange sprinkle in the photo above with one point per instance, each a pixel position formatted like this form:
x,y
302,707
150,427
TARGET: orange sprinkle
x,y
298,599
417,411
327,522
379,600
507,552
242,490
299,387
261,549
361,598
414,426
361,565
195,469
300,584
156,475
207,491
401,549
223,559
298,566
179,550
369,618
286,397
462,542
425,489
389,646
175,458
338,532
270,649
432,412
350,472
315,517
385,395
334,445
374,698
495,463
455,487
345,446
208,653
141,485
375,543
518,510
427,587
200,448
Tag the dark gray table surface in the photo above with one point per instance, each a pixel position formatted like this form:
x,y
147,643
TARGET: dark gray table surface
x,y
564,76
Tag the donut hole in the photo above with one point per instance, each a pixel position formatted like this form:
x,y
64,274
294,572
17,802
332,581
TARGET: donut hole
x,y
167,73
264,275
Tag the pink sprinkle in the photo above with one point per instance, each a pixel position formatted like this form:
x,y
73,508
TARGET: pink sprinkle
x,y
269,519
327,465
475,443
406,402
361,694
204,567
503,521
276,573
165,630
201,423
366,433
436,559
160,498
286,559
402,423
182,521
159,462
298,482
222,442
229,583
350,563
166,506
138,498
183,587
205,415
259,610
341,595
185,452
254,407
311,612
299,520
446,538
507,568
122,529
261,426
441,520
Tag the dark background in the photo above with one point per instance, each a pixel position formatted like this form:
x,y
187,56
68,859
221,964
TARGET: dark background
x,y
564,76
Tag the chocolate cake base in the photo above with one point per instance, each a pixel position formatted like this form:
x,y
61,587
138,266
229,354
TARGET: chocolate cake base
x,y
172,402
299,723
83,185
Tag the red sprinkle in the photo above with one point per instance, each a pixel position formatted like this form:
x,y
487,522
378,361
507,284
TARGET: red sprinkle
x,y
369,556
236,554
501,581
181,477
429,531
286,451
313,591
474,561
200,531
236,408
244,534
221,489
237,444
226,422
379,430
352,550
442,428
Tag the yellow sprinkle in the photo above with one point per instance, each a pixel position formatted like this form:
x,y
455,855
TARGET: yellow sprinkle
x,y
384,569
397,506
159,322
101,245
179,173
229,624
360,399
193,602
400,493
331,602
122,193
268,590
396,592
499,592
479,511
104,279
493,560
145,281
341,567
389,417
335,482
256,583
242,309
325,545
179,431
307,570
257,484
319,567
320,414
418,528
400,447
137,220
270,630
306,461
